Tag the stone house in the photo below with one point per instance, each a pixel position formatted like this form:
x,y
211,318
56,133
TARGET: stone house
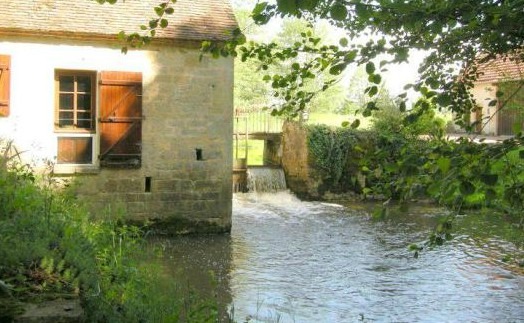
x,y
506,76
149,131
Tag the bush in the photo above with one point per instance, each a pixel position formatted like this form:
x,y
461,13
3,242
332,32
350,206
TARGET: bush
x,y
421,120
50,247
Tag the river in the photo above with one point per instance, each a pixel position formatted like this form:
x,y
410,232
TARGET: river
x,y
292,261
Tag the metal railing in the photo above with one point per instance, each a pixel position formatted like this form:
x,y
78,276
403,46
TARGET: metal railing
x,y
249,121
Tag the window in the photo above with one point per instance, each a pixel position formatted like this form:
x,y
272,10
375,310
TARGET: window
x,y
117,138
75,109
5,71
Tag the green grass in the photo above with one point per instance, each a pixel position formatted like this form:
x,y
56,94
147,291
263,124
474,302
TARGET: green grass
x,y
255,151
335,120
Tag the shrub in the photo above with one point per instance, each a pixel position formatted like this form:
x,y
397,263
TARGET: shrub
x,y
49,245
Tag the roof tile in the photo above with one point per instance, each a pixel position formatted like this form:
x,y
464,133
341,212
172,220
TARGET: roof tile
x,y
500,69
192,19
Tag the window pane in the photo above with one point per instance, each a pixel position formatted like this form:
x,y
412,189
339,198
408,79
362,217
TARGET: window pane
x,y
66,102
83,84
75,150
65,119
75,95
67,83
83,102
84,124
84,120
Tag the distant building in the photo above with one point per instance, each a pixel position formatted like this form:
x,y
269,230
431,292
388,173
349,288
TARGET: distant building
x,y
505,75
149,131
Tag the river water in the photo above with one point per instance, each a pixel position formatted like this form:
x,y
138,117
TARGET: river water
x,y
292,261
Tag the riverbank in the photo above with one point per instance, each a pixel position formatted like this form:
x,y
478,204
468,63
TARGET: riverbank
x,y
52,251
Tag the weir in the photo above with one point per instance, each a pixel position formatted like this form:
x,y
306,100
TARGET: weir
x,y
257,124
265,179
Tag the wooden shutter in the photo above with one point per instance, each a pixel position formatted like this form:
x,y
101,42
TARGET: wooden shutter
x,y
5,76
120,119
75,150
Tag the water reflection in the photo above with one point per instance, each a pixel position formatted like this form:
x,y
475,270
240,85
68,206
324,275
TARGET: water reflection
x,y
299,261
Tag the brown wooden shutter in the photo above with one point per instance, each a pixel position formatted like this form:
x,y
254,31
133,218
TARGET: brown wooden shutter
x,y
120,119
5,76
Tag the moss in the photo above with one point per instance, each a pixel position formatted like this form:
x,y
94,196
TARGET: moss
x,y
179,226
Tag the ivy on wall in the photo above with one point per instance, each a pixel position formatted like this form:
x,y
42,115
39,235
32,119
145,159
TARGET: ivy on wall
x,y
330,148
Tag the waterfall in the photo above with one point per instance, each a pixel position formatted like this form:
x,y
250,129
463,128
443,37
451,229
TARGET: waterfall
x,y
265,179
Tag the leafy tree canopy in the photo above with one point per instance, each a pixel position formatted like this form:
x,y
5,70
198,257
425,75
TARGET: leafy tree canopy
x,y
455,34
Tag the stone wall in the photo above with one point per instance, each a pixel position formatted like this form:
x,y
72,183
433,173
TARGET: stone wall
x,y
187,105
301,176
273,151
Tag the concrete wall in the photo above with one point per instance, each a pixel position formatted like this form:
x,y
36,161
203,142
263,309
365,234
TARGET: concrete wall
x,y
187,104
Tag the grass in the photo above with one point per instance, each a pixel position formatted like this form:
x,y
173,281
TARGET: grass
x,y
335,120
255,151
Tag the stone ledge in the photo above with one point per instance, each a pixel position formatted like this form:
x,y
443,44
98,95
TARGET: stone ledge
x,y
55,311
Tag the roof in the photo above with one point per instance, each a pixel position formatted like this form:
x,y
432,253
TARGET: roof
x,y
500,69
192,19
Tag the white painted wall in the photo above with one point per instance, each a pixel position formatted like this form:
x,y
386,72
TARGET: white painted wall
x,y
32,101
484,93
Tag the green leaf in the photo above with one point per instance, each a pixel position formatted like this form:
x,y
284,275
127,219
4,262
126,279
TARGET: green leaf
x,y
492,103
443,100
258,14
163,23
338,12
287,6
371,106
350,56
466,188
373,90
444,164
343,42
402,106
259,8
375,78
355,124
159,11
153,23
370,68
307,4
122,35
337,69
